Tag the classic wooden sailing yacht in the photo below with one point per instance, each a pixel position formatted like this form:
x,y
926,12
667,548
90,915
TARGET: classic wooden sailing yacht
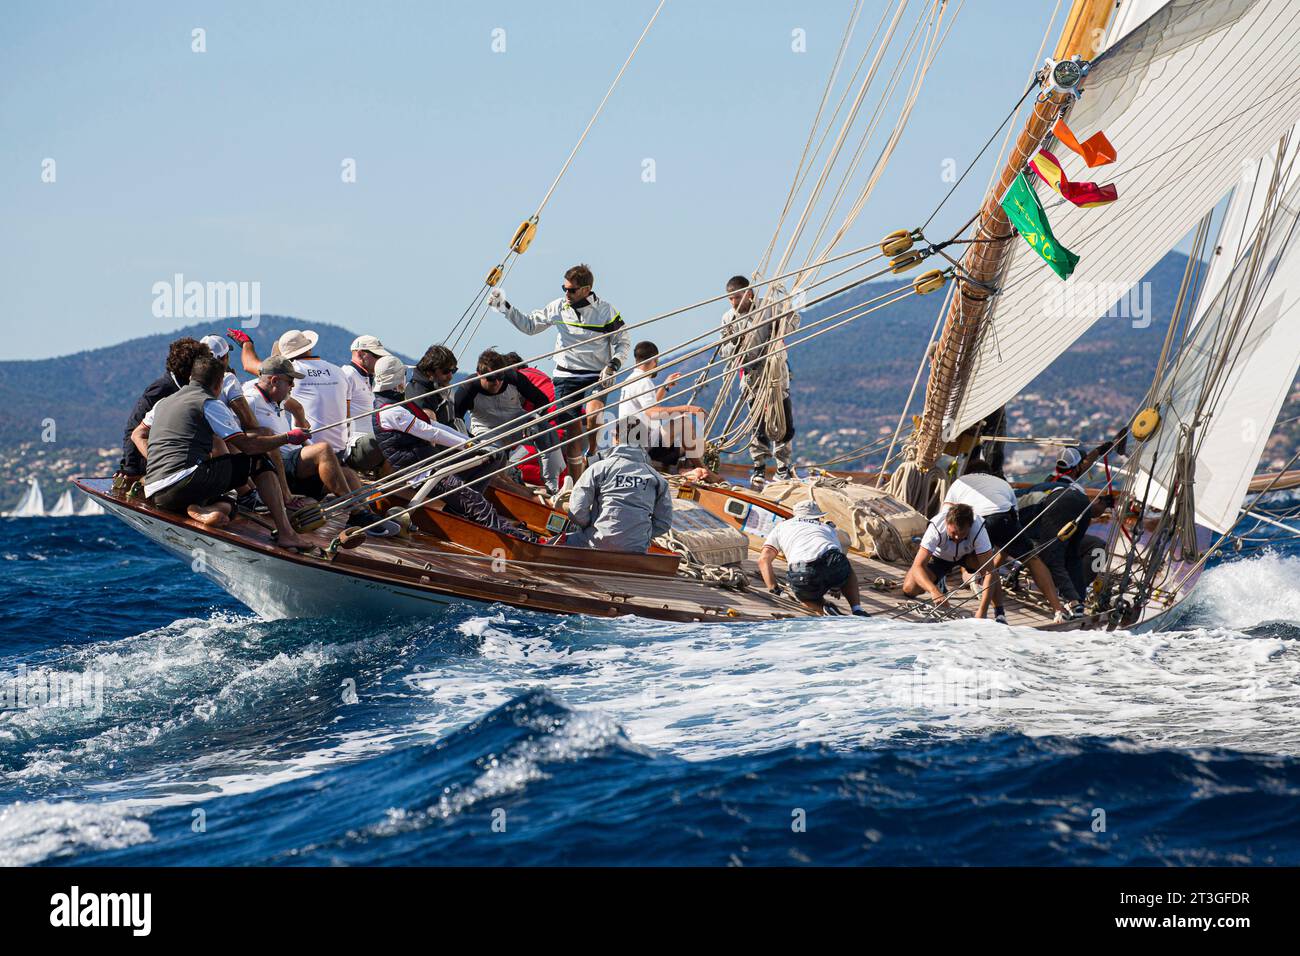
x,y
1190,93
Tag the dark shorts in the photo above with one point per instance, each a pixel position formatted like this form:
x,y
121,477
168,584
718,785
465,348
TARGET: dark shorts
x,y
1004,533
310,486
364,454
664,454
211,480
812,579
939,569
571,388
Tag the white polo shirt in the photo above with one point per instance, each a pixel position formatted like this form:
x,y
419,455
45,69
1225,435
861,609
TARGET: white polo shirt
x,y
986,494
803,539
268,414
637,398
360,399
937,541
322,393
398,418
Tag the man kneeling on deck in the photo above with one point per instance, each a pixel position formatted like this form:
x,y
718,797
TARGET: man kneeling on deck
x,y
184,476
407,436
954,539
621,503
815,560
993,499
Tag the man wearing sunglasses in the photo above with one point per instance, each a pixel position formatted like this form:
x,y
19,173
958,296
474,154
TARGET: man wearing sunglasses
x,y
593,346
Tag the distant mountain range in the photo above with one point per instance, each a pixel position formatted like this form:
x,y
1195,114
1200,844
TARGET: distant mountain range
x,y
849,384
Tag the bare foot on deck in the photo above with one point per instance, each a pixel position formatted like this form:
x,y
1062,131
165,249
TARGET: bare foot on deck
x,y
214,516
294,542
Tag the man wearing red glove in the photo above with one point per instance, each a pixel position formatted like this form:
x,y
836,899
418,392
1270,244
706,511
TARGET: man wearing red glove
x,y
185,476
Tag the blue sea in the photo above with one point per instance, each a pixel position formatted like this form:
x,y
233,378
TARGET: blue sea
x,y
149,719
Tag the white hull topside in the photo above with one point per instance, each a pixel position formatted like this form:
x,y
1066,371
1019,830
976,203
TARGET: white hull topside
x,y
285,589
276,589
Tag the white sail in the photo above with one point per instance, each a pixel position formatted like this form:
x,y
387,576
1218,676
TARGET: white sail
x,y
1184,97
63,508
1234,373
32,503
89,508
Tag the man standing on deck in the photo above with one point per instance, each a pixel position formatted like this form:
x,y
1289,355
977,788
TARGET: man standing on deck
x,y
594,345
752,329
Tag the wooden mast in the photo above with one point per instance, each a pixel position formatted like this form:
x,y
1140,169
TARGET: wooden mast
x,y
950,367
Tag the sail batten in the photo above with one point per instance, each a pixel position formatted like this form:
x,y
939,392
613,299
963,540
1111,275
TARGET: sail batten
x,y
1185,97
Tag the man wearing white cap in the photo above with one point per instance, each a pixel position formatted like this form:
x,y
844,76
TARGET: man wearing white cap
x,y
231,391
322,393
359,375
815,560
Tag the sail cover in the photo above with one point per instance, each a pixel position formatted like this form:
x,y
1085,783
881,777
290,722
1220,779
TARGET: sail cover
x,y
1186,97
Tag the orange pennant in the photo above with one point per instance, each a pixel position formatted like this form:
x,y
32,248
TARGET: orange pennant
x,y
1095,150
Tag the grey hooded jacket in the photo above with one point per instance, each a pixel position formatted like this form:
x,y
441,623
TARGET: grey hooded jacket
x,y
620,503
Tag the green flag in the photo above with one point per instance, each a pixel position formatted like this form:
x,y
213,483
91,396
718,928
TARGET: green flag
x,y
1026,214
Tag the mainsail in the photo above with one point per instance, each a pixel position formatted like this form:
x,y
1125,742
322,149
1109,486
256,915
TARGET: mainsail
x,y
1185,97
63,508
32,503
1223,397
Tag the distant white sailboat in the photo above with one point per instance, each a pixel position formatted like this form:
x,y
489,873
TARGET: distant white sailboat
x,y
63,508
32,504
89,508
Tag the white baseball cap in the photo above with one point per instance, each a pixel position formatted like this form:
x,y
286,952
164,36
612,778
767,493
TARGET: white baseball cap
x,y
390,374
1070,458
216,345
297,342
368,343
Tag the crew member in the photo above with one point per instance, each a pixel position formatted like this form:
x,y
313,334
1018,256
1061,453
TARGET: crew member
x,y
993,499
752,329
621,503
185,476
593,346
815,560
407,436
954,538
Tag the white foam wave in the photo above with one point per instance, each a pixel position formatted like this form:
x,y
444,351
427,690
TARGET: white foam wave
x,y
40,830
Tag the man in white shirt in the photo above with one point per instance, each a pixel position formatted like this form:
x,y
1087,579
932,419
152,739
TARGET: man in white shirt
x,y
322,393
954,538
672,431
359,375
313,469
993,499
815,560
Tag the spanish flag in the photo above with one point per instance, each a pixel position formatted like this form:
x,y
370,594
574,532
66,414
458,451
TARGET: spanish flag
x,y
1095,150
1084,195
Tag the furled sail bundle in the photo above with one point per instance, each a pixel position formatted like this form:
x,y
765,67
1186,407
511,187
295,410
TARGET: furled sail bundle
x,y
1185,97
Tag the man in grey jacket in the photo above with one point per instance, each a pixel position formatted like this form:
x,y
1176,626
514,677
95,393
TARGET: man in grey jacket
x,y
595,345
621,503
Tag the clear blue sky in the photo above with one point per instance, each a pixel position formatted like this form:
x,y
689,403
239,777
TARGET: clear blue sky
x,y
225,165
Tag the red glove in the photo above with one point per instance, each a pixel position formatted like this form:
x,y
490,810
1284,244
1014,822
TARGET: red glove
x,y
297,436
238,336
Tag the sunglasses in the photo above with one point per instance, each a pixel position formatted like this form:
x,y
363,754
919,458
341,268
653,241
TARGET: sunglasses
x,y
569,289
494,379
